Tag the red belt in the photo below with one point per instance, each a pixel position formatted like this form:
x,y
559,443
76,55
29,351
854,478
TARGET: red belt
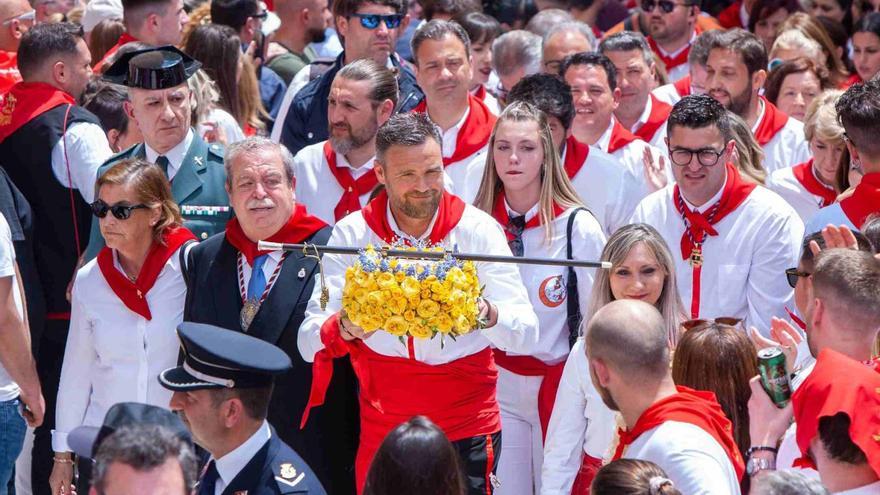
x,y
530,366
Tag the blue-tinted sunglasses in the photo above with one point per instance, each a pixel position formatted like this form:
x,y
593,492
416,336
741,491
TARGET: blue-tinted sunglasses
x,y
371,21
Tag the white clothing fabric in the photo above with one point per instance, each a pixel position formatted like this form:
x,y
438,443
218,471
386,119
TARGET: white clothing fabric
x,y
692,459
175,155
449,136
805,203
630,156
667,94
87,149
466,174
232,463
657,140
830,215
787,148
114,354
225,121
8,388
581,424
476,232
316,187
872,489
605,188
522,451
742,272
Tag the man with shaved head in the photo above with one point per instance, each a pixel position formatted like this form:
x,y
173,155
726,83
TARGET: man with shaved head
x,y
683,431
16,17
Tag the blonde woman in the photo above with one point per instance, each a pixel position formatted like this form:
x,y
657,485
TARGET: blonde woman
x,y
749,154
814,184
582,426
525,188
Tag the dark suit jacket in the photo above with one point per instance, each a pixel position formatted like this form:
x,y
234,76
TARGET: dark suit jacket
x,y
329,441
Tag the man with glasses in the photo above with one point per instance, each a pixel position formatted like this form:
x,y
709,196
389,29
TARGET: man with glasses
x,y
732,240
672,28
154,22
735,73
16,17
369,29
563,40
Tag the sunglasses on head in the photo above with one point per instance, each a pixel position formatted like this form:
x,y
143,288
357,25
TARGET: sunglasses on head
x,y
793,274
122,212
666,6
701,323
371,21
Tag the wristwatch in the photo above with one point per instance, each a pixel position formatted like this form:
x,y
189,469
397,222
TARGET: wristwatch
x,y
757,464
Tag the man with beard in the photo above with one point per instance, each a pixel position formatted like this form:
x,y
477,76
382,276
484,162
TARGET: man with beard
x,y
672,28
638,110
302,22
154,22
442,53
336,177
735,73
451,381
731,239
683,431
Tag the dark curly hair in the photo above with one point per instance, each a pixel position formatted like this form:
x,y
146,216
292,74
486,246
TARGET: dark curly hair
x,y
698,111
858,111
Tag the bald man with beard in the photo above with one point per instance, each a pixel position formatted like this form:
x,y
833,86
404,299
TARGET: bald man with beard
x,y
16,17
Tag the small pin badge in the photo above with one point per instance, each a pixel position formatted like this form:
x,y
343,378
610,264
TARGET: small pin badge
x,y
198,160
302,273
288,471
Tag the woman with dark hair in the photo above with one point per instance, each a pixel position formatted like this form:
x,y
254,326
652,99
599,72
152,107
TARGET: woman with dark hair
x,y
632,477
866,47
104,36
794,84
482,30
417,458
837,10
767,16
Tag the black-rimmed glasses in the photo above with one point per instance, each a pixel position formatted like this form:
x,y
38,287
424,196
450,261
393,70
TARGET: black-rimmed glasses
x,y
122,212
682,157
793,274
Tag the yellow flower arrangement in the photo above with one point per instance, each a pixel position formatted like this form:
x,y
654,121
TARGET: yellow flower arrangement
x,y
412,298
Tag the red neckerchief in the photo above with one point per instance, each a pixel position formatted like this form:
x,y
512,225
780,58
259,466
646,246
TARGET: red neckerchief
x,y
659,113
352,189
853,79
729,17
123,39
697,407
683,86
681,58
576,154
480,93
501,215
449,213
134,294
474,133
772,122
26,101
803,173
735,192
9,74
620,137
864,200
298,228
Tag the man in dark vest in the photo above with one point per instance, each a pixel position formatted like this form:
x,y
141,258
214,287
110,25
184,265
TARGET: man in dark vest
x,y
51,149
233,284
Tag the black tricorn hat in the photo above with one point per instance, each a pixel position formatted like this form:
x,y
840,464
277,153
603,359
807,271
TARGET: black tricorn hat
x,y
152,68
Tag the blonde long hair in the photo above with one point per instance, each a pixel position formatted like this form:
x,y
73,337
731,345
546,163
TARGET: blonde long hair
x,y
556,189
618,247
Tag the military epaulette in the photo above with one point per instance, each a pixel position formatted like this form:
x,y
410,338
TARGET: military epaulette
x,y
216,150
289,478
126,153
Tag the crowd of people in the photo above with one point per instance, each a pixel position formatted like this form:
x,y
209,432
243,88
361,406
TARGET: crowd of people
x,y
721,159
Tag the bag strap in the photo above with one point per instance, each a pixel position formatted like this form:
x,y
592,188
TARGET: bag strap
x,y
573,305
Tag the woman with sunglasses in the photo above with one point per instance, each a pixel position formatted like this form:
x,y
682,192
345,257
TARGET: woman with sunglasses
x,y
525,188
582,426
125,308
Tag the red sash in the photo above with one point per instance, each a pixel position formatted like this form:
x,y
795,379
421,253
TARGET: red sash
x,y
123,39
620,137
683,86
864,201
475,132
352,189
729,17
576,154
681,58
9,74
853,79
449,213
25,101
772,122
805,176
697,407
659,113
298,228
134,294
735,192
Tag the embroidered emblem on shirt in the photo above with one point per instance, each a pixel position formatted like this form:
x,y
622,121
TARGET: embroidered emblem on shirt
x,y
552,291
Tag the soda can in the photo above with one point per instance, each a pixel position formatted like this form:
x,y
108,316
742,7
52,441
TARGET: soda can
x,y
774,377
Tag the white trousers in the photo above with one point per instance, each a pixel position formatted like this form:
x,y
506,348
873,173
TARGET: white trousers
x,y
522,446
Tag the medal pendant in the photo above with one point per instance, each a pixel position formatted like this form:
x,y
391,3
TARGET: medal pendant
x,y
248,312
696,258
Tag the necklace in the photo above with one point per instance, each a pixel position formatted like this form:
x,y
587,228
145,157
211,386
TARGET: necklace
x,y
250,306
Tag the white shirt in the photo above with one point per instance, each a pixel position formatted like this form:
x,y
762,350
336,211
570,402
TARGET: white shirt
x,y
232,463
742,275
581,424
268,269
692,459
787,148
8,388
87,150
681,70
317,187
830,215
805,203
667,94
631,157
605,188
546,284
225,121
175,155
657,140
114,354
466,174
476,232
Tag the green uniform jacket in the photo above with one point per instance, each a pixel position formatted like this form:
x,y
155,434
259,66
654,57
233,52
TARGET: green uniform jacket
x,y
198,187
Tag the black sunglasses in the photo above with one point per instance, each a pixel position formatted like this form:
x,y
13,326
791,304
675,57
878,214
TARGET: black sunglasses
x,y
793,274
666,6
261,16
371,21
122,212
